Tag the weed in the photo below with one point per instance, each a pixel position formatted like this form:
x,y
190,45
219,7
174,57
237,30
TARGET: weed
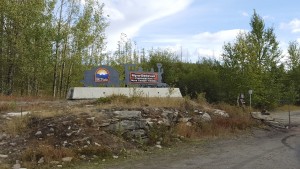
x,y
33,154
4,107
100,151
160,133
187,131
5,166
104,100
16,125
8,106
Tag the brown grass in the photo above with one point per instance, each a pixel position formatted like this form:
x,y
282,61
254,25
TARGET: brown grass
x,y
16,125
25,98
7,107
32,155
121,101
5,166
219,126
186,131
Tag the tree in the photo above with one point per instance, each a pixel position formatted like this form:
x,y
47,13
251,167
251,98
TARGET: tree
x,y
251,62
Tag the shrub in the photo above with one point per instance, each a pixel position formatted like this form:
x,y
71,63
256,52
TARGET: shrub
x,y
161,133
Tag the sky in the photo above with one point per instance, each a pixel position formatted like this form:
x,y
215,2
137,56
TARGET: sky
x,y
196,28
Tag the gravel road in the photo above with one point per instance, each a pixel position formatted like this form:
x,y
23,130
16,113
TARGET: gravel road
x,y
262,149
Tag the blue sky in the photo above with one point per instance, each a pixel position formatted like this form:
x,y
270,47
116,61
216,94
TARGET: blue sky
x,y
199,28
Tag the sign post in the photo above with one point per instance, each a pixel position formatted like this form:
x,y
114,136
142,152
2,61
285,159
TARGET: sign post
x,y
250,93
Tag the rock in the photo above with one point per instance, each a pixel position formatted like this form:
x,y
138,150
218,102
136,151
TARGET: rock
x,y
184,119
3,156
104,124
13,144
41,160
89,121
127,125
67,159
3,143
220,113
13,114
158,146
164,121
171,116
59,166
3,136
149,121
260,116
137,133
115,157
16,166
128,114
206,117
38,133
188,124
54,162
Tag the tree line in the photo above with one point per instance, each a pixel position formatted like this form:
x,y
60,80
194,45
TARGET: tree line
x,y
45,47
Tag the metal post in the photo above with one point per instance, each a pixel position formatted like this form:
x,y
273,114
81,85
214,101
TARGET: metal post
x,y
289,117
250,103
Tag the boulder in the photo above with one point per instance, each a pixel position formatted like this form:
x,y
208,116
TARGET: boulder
x,y
222,113
127,125
205,117
67,159
260,116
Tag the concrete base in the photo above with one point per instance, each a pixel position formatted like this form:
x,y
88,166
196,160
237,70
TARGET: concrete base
x,y
97,92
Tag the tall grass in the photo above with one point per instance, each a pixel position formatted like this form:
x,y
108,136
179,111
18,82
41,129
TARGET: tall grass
x,y
16,125
123,101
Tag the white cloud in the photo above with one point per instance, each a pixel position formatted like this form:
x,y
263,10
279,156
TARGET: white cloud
x,y
130,16
210,44
205,44
293,25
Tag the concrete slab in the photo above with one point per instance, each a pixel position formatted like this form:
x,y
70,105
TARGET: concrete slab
x,y
97,92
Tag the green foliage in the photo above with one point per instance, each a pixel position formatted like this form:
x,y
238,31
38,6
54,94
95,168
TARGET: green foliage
x,y
252,62
46,46
159,133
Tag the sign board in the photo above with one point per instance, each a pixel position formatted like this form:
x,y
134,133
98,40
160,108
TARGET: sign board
x,y
143,77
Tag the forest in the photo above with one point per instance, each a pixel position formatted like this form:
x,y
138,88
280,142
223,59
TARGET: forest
x,y
46,45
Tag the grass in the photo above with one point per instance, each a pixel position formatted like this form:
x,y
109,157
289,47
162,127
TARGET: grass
x,y
33,154
122,101
4,107
16,125
286,108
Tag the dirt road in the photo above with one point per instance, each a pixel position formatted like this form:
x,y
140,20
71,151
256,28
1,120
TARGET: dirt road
x,y
262,149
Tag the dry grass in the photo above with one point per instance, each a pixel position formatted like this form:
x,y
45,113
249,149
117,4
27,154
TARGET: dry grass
x,y
5,166
7,106
182,129
32,155
16,125
47,113
219,126
25,98
121,101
